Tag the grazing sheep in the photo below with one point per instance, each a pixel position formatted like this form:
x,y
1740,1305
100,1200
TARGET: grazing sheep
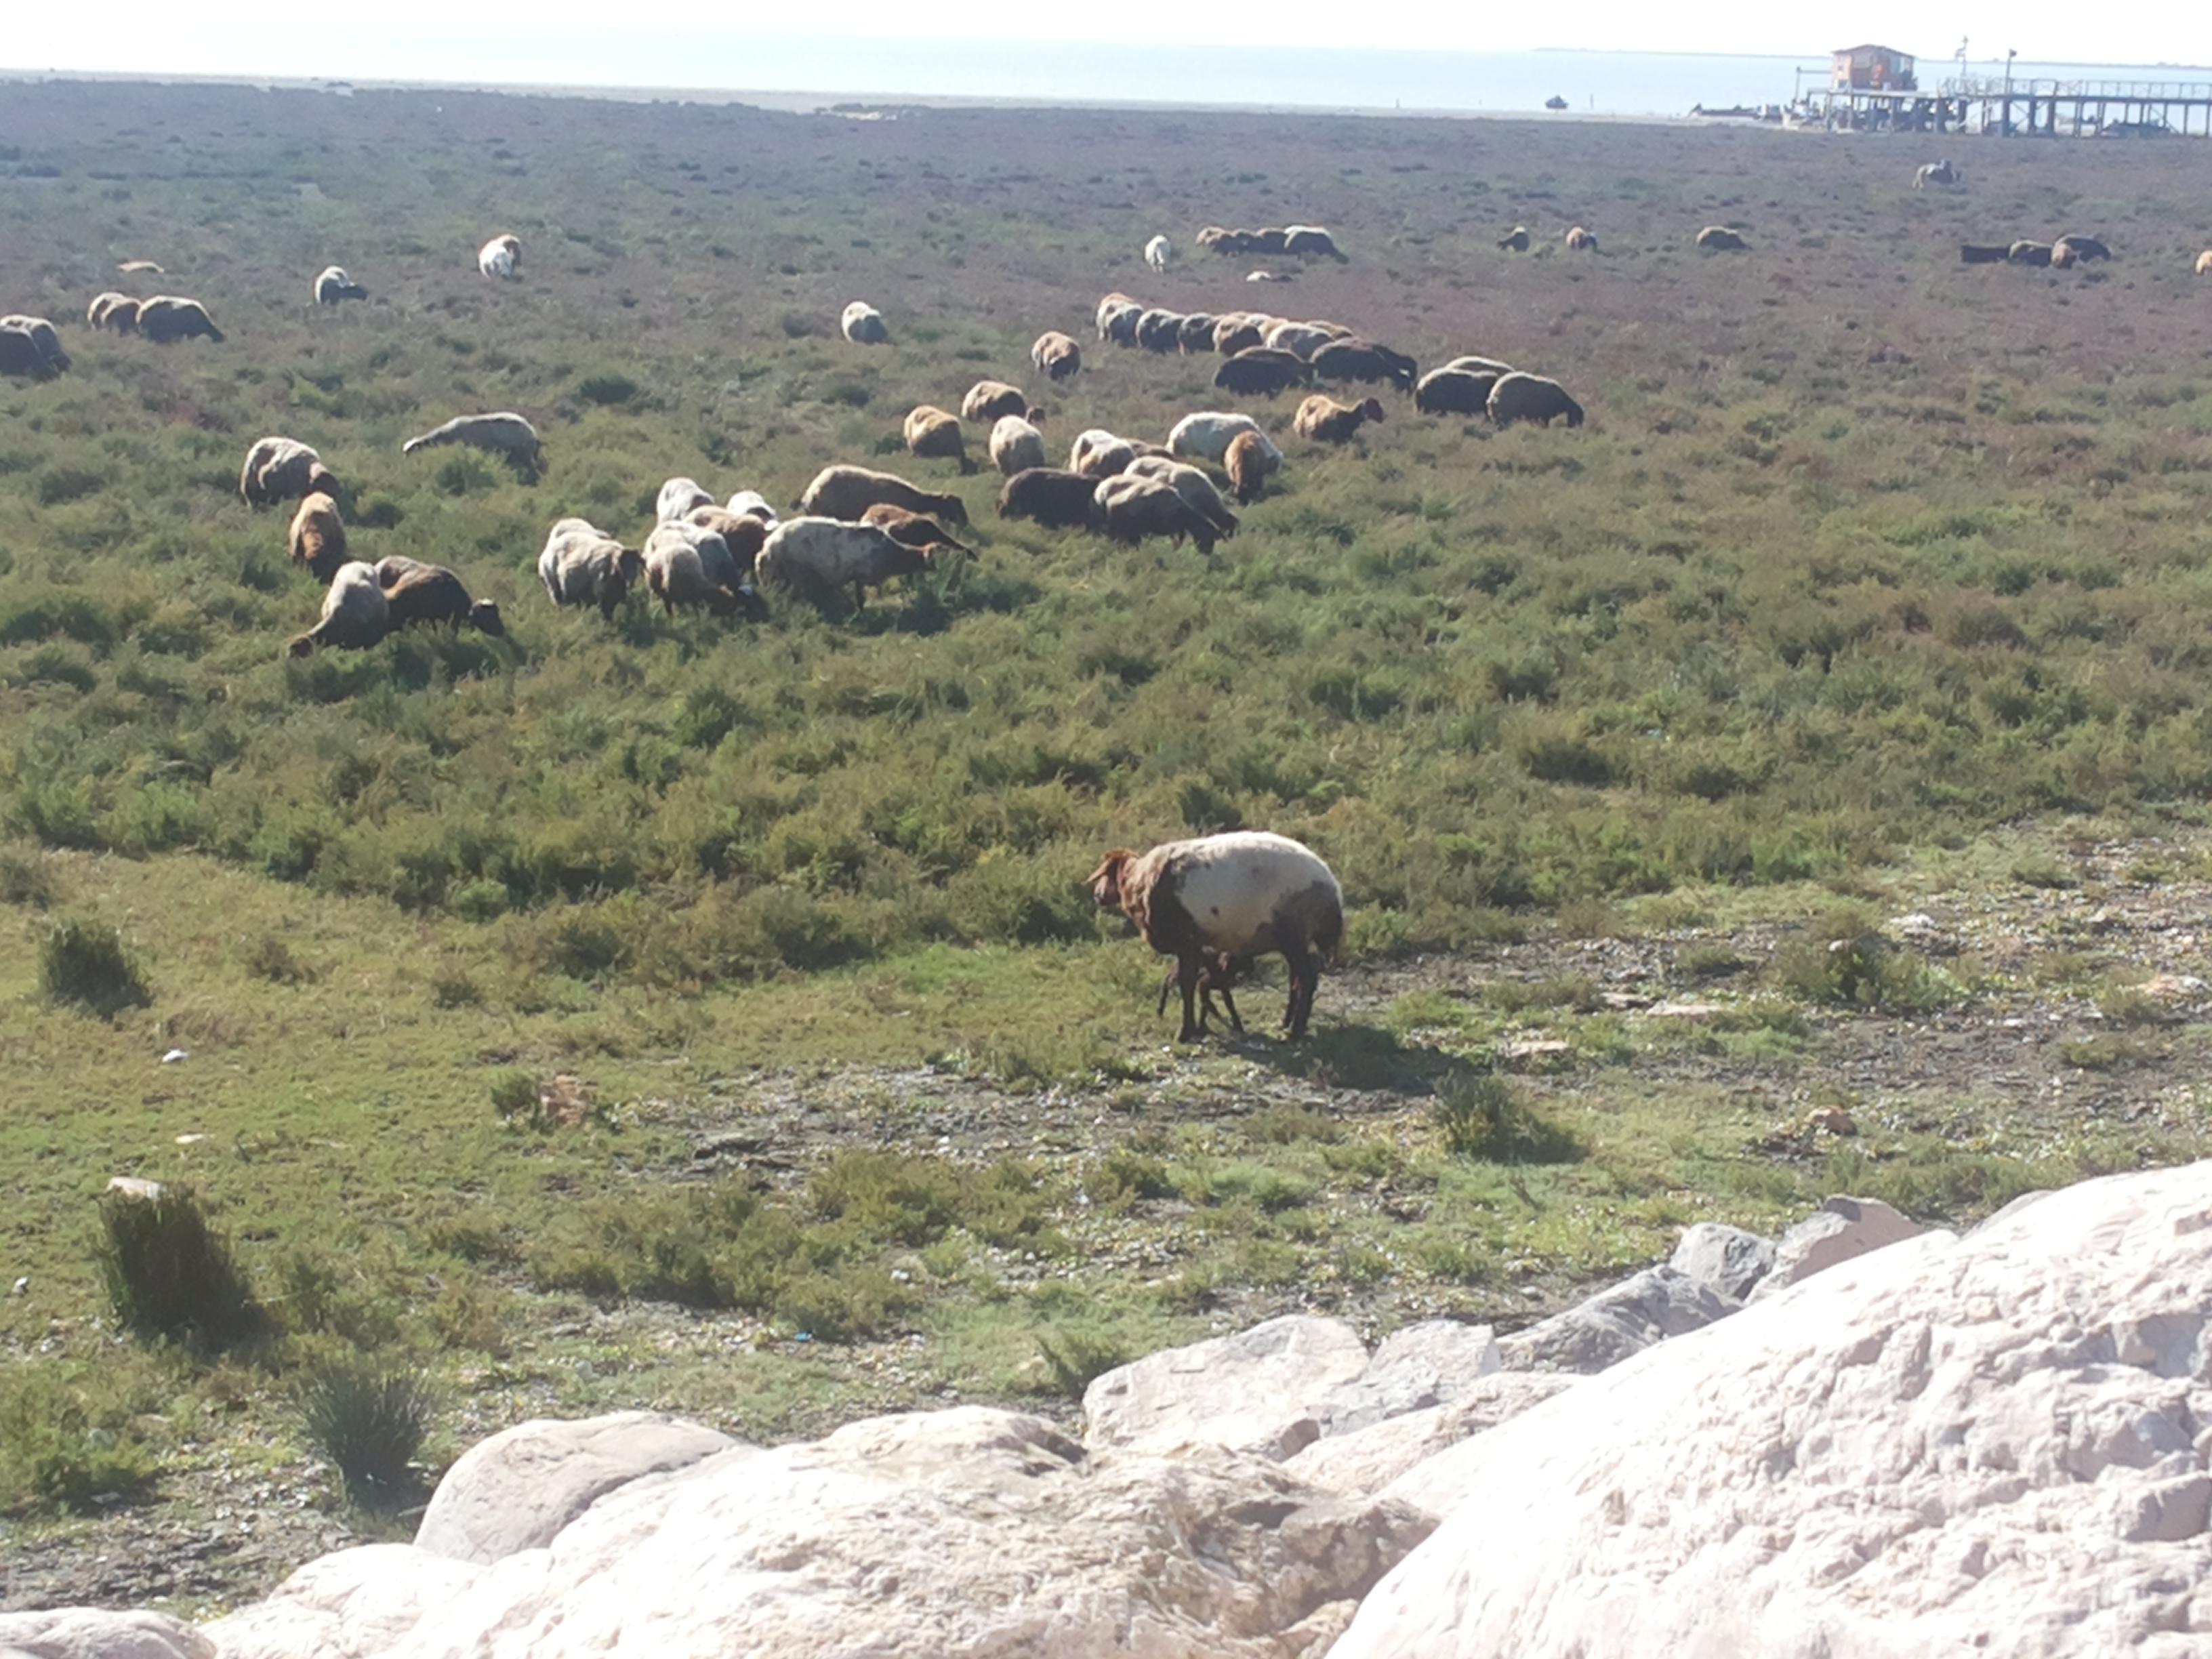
x,y
1271,277
582,566
45,340
1303,339
1243,332
506,434
334,286
1518,397
1250,458
1194,333
1934,173
846,492
1160,330
1098,453
988,400
2204,262
2063,257
1118,325
1263,371
686,565
1206,436
1516,240
934,434
676,498
502,256
283,470
1054,498
1057,355
821,554
1480,365
752,504
1111,309
1211,239
1239,896
1580,241
317,539
1324,420
354,613
1719,239
863,325
914,530
1983,253
1455,392
1015,445
742,534
2082,247
1362,360
1193,485
1159,254
434,596
112,310
2036,254
1312,242
1130,509
128,267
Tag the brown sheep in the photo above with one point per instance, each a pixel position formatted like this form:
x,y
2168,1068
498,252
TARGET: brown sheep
x,y
1262,371
1054,498
164,318
1159,330
1719,239
1362,360
741,532
1581,241
1130,509
989,400
1057,356
582,566
432,595
914,530
1248,466
1455,392
846,492
1324,420
688,565
1518,397
1516,240
821,555
932,434
283,470
317,539
1097,453
1196,333
1242,332
1193,485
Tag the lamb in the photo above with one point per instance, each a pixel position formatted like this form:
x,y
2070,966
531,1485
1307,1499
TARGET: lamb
x,y
502,256
1057,356
818,554
1098,453
46,358
1194,333
1193,485
1206,436
1263,372
1130,509
506,434
742,534
989,400
1934,173
914,530
846,492
1518,397
1054,498
863,325
434,596
283,470
1242,332
1159,330
1159,252
112,310
1580,241
676,498
1324,420
2037,254
1015,445
2082,247
688,566
582,566
317,539
1455,392
334,286
1216,972
934,434
1224,898
1719,239
1516,240
1359,360
355,614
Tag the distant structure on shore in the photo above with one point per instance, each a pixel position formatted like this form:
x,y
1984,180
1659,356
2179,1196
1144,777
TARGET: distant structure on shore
x,y
1874,89
1872,68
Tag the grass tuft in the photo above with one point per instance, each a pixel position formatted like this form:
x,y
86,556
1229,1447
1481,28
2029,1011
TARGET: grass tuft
x,y
369,1418
170,1275
85,964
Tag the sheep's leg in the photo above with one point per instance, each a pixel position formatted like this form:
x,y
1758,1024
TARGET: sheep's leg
x,y
1188,969
1229,1003
1167,984
860,596
1305,976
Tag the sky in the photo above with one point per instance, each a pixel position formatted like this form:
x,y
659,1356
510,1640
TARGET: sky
x,y
681,43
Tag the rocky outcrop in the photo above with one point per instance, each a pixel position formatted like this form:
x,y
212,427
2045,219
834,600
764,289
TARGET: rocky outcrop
x,y
1260,1391
1993,1444
1622,1319
1729,1259
1420,1366
94,1633
1374,1460
1841,1230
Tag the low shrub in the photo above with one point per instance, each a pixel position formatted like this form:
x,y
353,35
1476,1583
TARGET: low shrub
x,y
68,1439
369,1418
85,964
170,1275
1483,1116
1076,1358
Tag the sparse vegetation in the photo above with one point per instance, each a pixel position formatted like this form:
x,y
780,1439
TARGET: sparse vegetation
x,y
86,963
369,1417
170,1274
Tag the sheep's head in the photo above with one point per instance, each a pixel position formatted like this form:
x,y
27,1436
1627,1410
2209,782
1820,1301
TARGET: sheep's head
x,y
1105,882
950,508
483,617
321,481
630,565
1371,409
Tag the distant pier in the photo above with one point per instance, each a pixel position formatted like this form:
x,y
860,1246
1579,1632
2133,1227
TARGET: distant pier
x,y
2022,109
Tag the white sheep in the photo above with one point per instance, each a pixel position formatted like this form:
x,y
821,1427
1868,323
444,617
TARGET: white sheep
x,y
354,613
811,554
334,285
1097,453
1015,444
1206,436
583,565
504,434
752,504
864,324
676,498
502,256
1159,254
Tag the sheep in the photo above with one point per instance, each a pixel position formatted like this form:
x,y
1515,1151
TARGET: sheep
x,y
1217,972
1516,240
1055,499
1193,485
356,615
1117,314
934,434
988,400
1270,276
2082,247
1015,445
1580,241
1518,397
434,596
1324,420
112,310
1455,392
686,565
1312,242
863,325
334,286
1480,366
506,434
1211,239
502,257
1057,356
1158,329
1230,897
2063,257
1361,360
128,267
676,498
1263,371
1303,339
1206,436
1159,254
1194,333
1271,241
846,492
1130,509
582,566
283,470
1719,239
1098,453
317,539
1248,460
1934,173
914,530
2037,254
2204,262
752,504
741,533
818,554
37,350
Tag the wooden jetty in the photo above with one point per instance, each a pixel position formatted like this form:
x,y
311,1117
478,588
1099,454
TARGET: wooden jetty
x,y
2021,108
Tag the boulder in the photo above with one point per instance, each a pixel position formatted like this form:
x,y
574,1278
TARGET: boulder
x,y
94,1633
1419,1366
1992,1444
518,1489
1621,1320
1365,1461
1841,1229
1259,1391
973,1532
1729,1259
